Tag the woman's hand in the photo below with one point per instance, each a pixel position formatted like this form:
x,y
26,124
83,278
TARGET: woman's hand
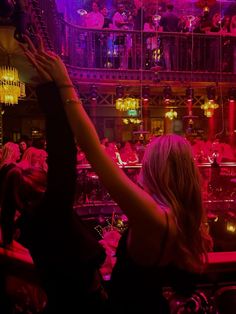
x,y
49,66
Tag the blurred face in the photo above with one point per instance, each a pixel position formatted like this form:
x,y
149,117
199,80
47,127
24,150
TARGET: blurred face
x,y
121,8
216,18
22,146
104,11
95,7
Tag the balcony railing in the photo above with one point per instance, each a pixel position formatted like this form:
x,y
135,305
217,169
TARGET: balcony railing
x,y
135,50
94,204
218,183
171,56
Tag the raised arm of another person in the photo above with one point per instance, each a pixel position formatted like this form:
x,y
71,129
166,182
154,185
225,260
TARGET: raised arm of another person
x,y
147,220
170,202
166,228
64,251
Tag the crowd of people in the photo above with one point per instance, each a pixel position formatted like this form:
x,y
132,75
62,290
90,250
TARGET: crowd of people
x,y
167,240
130,153
128,156
161,49
164,211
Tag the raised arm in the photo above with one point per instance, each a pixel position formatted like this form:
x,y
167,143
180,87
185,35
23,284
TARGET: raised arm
x,y
136,203
60,146
139,206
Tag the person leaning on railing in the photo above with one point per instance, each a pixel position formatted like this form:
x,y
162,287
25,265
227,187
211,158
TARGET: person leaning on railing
x,y
167,234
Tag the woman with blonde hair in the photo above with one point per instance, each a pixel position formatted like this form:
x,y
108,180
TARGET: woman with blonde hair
x,y
33,158
10,154
167,232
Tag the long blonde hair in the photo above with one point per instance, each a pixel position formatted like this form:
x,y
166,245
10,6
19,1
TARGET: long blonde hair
x,y
10,154
169,173
30,158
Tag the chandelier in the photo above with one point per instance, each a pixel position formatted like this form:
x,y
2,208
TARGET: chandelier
x,y
11,88
127,103
171,114
209,108
132,121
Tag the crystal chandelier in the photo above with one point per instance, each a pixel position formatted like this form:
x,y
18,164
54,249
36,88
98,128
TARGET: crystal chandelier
x,y
132,121
128,103
171,114
11,88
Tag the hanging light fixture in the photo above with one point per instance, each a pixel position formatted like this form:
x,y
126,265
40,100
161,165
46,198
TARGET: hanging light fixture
x,y
11,88
209,108
132,121
127,103
211,104
172,114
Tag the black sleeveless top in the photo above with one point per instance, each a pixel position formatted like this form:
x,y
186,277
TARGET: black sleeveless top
x,y
139,289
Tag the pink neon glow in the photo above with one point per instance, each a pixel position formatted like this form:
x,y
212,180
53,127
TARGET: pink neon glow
x,y
211,124
231,119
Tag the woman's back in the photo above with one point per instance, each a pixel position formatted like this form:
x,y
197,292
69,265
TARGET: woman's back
x,y
136,288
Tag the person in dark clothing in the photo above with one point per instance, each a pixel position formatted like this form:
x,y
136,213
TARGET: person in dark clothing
x,y
169,23
66,255
10,156
166,217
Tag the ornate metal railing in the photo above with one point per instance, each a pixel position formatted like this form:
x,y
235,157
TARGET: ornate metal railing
x,y
219,184
134,50
94,204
